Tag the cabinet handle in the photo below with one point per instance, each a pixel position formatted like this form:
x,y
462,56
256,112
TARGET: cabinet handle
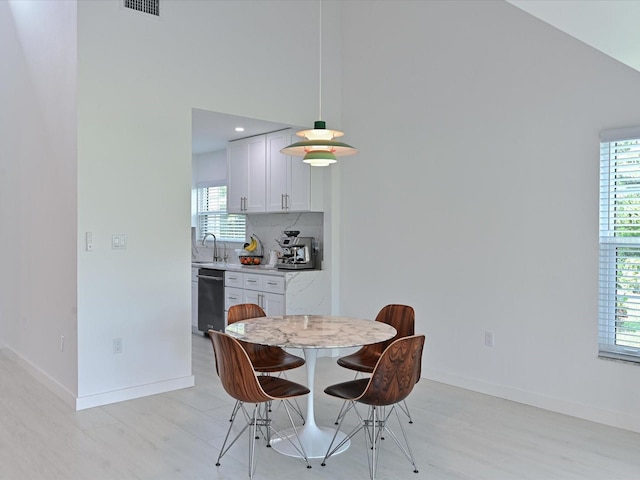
x,y
251,281
272,283
286,201
231,297
261,300
282,202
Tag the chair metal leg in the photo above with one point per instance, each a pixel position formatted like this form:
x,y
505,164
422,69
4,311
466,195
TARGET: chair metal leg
x,y
255,423
252,442
331,450
234,411
299,447
405,409
346,406
224,450
375,425
407,451
295,405
373,461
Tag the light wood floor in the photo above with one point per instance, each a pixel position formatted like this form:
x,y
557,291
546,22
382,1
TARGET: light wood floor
x,y
457,434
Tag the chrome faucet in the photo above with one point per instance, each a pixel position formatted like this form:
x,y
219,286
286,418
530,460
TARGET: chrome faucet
x,y
215,245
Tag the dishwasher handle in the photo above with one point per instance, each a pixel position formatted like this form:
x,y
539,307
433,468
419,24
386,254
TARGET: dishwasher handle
x,y
217,279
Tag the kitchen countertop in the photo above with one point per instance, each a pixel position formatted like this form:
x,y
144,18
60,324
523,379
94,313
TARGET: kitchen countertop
x,y
239,267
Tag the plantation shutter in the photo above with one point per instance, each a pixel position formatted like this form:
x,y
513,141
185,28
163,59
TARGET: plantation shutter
x,y
213,216
619,282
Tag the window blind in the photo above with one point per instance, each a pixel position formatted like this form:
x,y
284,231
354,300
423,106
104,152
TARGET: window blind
x,y
619,281
213,216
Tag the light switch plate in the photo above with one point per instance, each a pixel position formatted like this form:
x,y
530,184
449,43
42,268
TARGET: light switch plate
x,y
118,241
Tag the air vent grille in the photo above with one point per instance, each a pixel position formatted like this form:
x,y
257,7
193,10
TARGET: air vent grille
x,y
151,7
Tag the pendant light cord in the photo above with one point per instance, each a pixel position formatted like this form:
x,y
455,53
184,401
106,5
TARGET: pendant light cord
x,y
320,63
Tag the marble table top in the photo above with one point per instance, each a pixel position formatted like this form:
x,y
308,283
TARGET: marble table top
x,y
311,331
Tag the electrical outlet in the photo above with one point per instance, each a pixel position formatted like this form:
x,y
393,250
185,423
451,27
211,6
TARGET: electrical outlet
x,y
117,345
488,339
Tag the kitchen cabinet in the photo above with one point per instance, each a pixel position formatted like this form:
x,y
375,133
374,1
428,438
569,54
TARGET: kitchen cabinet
x,y
261,179
288,178
268,291
232,296
246,187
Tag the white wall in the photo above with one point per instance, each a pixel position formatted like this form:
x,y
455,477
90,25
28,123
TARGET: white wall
x,y
139,77
38,188
209,167
479,124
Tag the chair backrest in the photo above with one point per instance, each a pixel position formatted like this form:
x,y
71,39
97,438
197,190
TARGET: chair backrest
x,y
396,373
235,370
400,317
244,311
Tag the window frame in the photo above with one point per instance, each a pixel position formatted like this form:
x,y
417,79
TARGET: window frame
x,y
619,245
224,214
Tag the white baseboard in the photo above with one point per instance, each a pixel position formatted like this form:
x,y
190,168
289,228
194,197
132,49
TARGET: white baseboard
x,y
558,405
62,392
105,398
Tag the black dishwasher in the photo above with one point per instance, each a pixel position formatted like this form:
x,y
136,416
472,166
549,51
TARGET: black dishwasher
x,y
210,300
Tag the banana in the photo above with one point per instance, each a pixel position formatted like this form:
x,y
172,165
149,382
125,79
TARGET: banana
x,y
252,246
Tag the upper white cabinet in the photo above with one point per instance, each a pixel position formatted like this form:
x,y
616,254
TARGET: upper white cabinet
x,y
280,183
247,171
288,178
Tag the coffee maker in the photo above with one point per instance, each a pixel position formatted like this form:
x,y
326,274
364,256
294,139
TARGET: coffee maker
x,y
297,252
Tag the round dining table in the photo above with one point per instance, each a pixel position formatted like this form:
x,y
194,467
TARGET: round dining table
x,y
311,333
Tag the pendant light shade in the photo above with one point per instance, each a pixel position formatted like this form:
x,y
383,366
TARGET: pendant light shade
x,y
319,147
319,158
319,140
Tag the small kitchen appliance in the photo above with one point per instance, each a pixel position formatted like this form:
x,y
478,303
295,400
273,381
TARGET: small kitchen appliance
x,y
297,252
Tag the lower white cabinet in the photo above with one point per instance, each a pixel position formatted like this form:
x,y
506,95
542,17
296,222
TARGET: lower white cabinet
x,y
268,291
232,296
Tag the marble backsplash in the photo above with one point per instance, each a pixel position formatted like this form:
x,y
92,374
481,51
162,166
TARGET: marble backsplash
x,y
268,228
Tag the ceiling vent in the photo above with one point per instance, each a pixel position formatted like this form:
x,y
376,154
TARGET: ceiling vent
x,y
152,7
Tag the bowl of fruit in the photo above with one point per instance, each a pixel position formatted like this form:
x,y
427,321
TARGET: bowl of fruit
x,y
250,259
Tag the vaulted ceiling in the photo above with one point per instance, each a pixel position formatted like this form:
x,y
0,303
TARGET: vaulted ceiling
x,y
610,26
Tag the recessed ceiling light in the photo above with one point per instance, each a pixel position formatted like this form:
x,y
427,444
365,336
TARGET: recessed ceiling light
x,y
239,129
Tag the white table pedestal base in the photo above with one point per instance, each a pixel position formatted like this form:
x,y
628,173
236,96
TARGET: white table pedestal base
x,y
315,440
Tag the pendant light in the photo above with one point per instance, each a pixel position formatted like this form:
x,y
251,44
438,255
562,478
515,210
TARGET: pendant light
x,y
319,147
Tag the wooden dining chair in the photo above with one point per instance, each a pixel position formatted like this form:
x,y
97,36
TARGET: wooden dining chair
x,y
392,380
240,381
264,358
400,317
